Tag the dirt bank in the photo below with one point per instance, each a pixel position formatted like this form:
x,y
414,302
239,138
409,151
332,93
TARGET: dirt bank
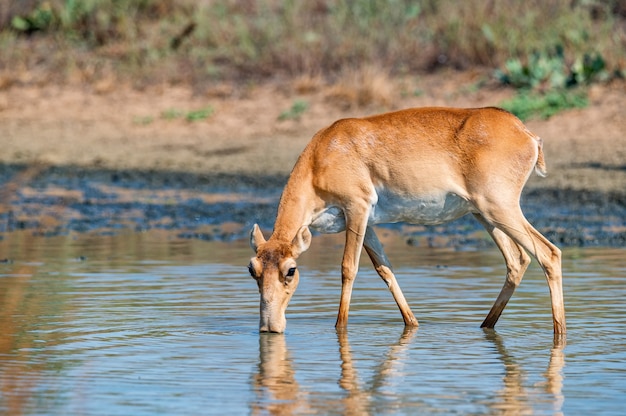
x,y
137,154
113,127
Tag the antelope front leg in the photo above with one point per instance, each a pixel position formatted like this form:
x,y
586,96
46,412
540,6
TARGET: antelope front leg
x,y
382,265
355,233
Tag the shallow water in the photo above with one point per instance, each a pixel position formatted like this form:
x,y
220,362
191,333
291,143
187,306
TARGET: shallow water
x,y
146,323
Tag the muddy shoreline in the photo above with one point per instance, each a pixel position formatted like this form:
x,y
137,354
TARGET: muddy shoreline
x,y
75,161
52,201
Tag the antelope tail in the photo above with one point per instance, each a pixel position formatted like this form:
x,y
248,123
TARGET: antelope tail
x,y
540,165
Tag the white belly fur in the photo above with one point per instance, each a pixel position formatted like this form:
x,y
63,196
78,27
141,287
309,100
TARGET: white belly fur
x,y
392,208
428,210
330,220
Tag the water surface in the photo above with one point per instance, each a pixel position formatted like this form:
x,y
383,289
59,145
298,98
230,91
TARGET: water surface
x,y
146,323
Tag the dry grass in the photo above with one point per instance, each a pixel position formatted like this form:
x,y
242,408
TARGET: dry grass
x,y
369,86
358,46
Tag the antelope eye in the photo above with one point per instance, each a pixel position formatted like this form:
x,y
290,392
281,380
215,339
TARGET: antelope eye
x,y
251,271
291,272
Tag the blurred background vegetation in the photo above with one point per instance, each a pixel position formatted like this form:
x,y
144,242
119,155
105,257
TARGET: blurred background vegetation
x,y
539,47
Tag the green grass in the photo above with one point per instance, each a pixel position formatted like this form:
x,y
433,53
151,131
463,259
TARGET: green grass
x,y
143,120
172,114
295,111
199,115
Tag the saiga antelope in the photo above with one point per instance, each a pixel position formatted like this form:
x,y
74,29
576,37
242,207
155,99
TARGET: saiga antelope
x,y
419,166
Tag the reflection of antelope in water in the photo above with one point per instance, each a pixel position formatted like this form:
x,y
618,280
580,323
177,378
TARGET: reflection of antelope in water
x,y
359,400
19,303
278,392
19,381
275,384
514,398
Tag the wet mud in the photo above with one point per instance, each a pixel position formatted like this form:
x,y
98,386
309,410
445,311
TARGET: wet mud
x,y
52,201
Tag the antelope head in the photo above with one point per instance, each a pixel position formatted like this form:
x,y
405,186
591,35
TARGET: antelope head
x,y
276,273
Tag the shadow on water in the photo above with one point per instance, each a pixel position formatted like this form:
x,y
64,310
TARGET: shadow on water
x,y
277,390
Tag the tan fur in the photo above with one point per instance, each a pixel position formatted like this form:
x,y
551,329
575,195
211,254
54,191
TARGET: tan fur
x,y
423,166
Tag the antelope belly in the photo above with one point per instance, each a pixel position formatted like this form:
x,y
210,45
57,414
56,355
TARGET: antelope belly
x,y
424,209
330,220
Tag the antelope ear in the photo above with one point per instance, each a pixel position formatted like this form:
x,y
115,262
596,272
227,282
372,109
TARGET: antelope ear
x,y
301,241
256,238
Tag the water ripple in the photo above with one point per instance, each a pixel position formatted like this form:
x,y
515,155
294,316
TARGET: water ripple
x,y
175,331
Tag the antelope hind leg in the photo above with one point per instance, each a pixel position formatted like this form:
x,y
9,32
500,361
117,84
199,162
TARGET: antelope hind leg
x,y
516,261
512,222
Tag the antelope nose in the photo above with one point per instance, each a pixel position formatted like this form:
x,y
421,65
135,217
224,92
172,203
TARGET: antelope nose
x,y
268,329
273,328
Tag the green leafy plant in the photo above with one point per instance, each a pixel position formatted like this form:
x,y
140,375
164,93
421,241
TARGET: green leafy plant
x,y
587,69
198,115
295,112
191,116
547,84
541,70
39,19
143,120
528,104
172,114
549,70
